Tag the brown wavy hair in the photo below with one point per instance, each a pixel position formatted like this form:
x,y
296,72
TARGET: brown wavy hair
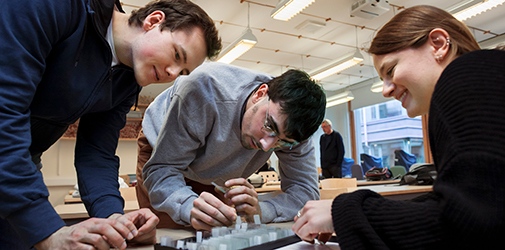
x,y
411,27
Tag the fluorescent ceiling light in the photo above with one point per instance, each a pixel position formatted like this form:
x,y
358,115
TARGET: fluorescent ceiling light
x,y
491,43
286,9
377,87
337,66
238,47
470,8
339,98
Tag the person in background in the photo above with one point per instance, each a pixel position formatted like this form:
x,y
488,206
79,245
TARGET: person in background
x,y
423,54
85,60
221,124
332,151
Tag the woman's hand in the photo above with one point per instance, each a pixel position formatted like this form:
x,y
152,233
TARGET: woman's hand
x,y
314,219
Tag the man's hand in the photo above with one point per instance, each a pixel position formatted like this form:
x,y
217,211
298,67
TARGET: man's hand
x,y
145,222
208,212
90,234
243,197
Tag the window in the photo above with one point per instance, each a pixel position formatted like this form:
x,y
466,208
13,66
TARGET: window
x,y
383,128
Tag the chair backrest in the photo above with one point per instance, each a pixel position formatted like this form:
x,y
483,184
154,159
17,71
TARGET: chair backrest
x,y
370,161
332,183
404,159
398,171
330,194
269,176
357,172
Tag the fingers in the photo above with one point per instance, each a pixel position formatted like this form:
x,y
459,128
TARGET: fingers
x,y
90,234
208,211
244,200
202,221
304,230
98,233
198,224
243,196
238,182
110,244
113,231
314,221
145,221
300,221
123,225
146,237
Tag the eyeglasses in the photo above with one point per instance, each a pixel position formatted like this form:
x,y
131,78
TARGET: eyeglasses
x,y
267,128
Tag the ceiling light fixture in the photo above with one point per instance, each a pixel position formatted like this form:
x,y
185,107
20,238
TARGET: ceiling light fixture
x,y
337,66
238,47
339,98
470,8
244,43
286,9
377,87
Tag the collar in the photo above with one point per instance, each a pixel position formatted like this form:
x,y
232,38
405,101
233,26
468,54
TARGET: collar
x,y
101,11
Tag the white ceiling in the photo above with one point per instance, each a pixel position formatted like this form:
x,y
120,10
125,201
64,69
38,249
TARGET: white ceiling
x,y
281,45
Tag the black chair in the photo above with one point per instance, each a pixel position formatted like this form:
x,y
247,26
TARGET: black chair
x,y
404,159
357,172
370,161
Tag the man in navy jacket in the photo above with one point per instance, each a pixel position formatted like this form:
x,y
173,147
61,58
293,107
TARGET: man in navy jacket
x,y
83,59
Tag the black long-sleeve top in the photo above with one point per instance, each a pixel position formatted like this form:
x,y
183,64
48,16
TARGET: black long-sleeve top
x,y
466,209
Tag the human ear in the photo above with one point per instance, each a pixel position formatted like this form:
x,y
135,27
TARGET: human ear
x,y
441,42
153,20
260,93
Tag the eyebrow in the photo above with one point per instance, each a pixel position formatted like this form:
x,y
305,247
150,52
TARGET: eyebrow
x,y
276,129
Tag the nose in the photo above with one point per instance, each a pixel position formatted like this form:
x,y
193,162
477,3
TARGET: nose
x,y
267,143
172,72
387,88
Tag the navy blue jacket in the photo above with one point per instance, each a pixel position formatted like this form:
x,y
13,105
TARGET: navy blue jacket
x,y
55,68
